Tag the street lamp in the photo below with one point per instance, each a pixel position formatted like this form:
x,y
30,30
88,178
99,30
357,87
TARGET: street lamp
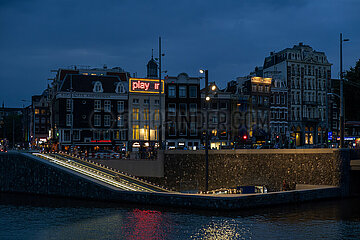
x,y
338,96
207,98
342,105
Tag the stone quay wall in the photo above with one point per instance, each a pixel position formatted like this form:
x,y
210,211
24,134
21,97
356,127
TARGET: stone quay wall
x,y
23,173
185,170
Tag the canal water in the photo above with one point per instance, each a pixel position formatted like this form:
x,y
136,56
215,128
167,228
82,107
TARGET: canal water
x,y
31,217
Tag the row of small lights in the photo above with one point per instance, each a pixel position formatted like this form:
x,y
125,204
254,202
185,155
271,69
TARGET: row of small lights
x,y
115,170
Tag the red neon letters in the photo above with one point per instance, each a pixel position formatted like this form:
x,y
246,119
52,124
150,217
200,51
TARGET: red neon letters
x,y
137,85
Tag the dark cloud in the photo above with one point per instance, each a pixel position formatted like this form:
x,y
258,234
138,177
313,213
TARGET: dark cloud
x,y
229,38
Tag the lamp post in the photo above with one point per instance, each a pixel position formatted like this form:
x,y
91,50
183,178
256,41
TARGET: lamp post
x,y
207,99
160,87
338,96
342,105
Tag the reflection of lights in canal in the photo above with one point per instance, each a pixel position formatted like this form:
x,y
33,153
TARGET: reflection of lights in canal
x,y
146,224
223,230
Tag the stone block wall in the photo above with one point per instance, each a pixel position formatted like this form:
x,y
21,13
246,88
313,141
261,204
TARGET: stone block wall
x,y
24,174
185,170
27,174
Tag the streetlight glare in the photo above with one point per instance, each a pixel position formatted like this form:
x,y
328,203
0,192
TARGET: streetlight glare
x,y
213,87
207,98
201,71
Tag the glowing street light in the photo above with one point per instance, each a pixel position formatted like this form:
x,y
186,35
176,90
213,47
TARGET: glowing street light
x,y
207,98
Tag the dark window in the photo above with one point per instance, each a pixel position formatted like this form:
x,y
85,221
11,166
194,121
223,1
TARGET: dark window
x,y
183,109
214,105
182,92
172,91
172,109
193,91
223,105
172,129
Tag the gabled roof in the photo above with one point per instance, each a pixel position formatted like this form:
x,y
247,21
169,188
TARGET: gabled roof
x,y
85,83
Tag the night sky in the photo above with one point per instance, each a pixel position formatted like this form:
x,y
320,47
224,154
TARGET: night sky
x,y
229,38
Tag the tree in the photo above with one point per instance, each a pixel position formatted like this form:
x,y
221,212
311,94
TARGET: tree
x,y
352,93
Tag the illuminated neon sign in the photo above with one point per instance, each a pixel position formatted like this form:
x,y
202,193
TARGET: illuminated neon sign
x,y
144,85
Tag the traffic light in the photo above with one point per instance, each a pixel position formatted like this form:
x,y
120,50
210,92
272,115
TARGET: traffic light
x,y
244,137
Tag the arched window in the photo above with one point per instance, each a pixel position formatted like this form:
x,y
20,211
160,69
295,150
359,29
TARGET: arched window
x,y
98,87
120,88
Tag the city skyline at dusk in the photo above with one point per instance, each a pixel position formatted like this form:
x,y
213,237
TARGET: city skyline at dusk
x,y
229,38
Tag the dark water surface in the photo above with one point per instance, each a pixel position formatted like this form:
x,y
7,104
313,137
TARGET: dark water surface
x,y
32,217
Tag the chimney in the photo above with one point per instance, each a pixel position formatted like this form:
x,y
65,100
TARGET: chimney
x,y
300,43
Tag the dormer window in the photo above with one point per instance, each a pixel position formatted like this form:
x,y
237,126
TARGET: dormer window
x,y
98,87
120,88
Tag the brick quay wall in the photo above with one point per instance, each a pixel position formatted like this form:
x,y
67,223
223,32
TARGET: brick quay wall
x,y
185,170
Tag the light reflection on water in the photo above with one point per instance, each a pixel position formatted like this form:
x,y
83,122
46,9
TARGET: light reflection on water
x,y
25,217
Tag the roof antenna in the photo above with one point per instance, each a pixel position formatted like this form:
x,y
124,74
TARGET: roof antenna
x,y
152,53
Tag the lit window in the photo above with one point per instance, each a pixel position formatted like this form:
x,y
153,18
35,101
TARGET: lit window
x,y
156,115
146,114
37,111
156,133
136,132
214,132
146,132
116,134
135,114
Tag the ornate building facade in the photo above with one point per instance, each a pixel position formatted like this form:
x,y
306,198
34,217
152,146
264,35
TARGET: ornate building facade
x,y
307,73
